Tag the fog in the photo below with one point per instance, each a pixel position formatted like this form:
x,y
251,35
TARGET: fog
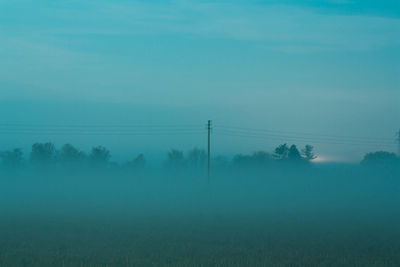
x,y
106,138
275,207
312,192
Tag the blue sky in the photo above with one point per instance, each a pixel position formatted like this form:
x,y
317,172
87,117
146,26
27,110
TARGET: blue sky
x,y
326,67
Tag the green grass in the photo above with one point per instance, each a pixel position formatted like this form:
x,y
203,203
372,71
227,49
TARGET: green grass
x,y
321,220
152,241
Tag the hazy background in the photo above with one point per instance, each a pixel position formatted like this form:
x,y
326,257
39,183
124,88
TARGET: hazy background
x,y
321,67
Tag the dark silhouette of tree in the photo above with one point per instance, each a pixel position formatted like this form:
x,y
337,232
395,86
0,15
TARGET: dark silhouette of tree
x,y
175,159
43,153
308,153
380,158
261,157
241,160
197,158
99,156
281,152
256,160
138,163
12,159
294,153
69,154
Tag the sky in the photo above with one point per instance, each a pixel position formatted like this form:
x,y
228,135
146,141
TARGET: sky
x,y
265,72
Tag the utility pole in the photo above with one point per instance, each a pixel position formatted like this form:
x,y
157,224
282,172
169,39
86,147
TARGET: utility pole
x,y
209,149
398,143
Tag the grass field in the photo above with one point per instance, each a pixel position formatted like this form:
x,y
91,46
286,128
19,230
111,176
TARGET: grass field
x,y
177,223
222,242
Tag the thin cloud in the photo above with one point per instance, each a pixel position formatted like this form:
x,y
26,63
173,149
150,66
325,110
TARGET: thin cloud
x,y
287,28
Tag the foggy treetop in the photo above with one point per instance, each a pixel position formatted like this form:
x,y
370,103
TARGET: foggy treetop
x,y
47,155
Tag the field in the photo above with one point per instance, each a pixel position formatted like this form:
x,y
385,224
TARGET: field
x,y
181,222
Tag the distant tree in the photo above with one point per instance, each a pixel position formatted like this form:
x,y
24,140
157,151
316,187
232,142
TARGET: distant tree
x,y
43,153
175,159
257,159
308,153
99,156
281,152
138,163
12,159
197,158
241,160
294,153
261,157
70,154
380,158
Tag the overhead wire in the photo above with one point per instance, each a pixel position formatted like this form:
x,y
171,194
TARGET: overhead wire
x,y
303,141
121,129
259,130
299,138
187,129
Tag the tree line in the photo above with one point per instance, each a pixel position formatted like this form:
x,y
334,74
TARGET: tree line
x,y
47,155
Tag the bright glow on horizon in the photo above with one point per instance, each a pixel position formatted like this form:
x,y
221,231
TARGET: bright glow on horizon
x,y
327,159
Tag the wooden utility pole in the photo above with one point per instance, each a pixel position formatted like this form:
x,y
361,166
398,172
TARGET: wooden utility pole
x,y
398,143
209,149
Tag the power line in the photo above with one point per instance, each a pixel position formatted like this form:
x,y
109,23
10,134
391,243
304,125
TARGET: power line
x,y
32,129
187,129
100,125
91,133
102,128
258,130
298,138
294,139
321,139
99,129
